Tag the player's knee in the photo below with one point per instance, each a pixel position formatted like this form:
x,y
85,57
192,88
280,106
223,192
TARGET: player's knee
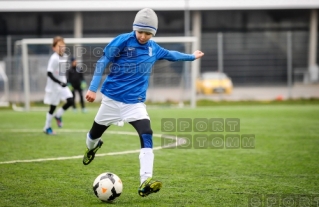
x,y
146,131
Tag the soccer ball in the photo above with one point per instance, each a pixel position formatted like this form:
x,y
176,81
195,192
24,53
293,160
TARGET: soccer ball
x,y
107,186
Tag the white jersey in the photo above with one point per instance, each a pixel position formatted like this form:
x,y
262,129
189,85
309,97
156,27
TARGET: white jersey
x,y
57,66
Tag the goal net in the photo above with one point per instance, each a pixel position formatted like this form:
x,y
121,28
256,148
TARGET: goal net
x,y
172,82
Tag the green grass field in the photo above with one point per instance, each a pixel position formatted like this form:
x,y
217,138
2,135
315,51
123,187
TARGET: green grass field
x,y
283,163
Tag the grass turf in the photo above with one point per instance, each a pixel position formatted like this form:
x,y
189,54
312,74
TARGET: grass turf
x,y
283,163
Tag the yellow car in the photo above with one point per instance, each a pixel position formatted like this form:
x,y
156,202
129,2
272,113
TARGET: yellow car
x,y
214,82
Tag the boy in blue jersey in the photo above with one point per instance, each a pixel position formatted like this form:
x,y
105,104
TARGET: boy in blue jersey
x,y
130,57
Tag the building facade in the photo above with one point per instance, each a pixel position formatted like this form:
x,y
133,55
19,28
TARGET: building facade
x,y
254,40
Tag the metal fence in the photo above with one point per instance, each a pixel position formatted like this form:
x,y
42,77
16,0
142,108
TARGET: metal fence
x,y
251,59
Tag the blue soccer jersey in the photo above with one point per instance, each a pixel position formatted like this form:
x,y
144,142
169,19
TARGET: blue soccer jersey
x,y
130,64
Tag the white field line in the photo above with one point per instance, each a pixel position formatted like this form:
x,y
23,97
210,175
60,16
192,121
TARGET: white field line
x,y
177,142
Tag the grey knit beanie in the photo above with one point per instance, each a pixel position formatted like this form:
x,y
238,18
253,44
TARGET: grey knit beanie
x,y
146,21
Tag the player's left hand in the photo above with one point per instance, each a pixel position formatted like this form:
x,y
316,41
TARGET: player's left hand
x,y
198,54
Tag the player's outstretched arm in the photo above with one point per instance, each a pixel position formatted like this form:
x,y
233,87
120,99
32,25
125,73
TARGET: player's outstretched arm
x,y
172,55
198,54
90,96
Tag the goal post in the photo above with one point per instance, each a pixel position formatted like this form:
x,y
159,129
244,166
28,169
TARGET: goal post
x,y
4,93
25,43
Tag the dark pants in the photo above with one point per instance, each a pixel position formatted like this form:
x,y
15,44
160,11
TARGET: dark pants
x,y
79,90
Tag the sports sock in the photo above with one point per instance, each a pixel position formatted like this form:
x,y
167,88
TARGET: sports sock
x,y
48,120
91,143
59,113
146,163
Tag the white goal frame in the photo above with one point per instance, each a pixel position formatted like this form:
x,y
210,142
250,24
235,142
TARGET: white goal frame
x,y
4,100
47,41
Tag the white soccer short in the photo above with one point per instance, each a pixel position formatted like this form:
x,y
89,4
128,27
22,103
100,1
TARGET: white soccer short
x,y
114,112
54,98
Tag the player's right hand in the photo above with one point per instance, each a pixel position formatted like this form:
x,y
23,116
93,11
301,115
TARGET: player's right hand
x,y
90,96
63,84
